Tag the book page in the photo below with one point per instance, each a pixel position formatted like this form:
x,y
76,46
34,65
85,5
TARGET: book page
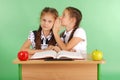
x,y
44,54
68,54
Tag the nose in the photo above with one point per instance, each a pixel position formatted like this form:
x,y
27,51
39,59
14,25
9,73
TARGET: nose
x,y
45,23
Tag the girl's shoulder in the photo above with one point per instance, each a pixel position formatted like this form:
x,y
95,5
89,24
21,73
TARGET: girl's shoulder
x,y
31,36
80,32
33,32
80,29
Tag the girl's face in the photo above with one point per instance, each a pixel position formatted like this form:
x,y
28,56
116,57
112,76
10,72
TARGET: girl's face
x,y
47,21
65,19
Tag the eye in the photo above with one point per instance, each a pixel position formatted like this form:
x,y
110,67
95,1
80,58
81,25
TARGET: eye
x,y
49,21
44,20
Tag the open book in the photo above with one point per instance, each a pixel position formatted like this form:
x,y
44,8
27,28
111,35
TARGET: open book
x,y
59,55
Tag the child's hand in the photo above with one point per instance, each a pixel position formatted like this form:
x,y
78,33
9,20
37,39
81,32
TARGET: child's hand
x,y
56,48
57,25
73,50
50,47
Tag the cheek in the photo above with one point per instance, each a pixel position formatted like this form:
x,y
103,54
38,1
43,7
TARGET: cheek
x,y
51,25
63,21
42,22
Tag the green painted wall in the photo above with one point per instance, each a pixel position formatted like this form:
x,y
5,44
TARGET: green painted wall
x,y
101,20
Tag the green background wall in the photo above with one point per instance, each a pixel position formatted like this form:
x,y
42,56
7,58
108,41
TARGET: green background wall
x,y
101,20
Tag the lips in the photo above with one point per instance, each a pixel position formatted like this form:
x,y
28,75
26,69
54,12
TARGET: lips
x,y
45,27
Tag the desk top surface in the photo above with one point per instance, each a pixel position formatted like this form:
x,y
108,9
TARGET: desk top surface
x,y
86,61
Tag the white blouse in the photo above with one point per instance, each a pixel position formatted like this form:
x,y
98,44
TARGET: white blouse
x,y
82,45
44,45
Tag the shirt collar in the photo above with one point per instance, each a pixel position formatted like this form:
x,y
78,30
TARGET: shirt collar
x,y
48,37
68,32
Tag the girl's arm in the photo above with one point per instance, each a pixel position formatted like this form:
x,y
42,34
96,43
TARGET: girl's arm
x,y
26,47
68,46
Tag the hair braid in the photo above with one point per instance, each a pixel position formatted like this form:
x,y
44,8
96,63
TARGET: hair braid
x,y
38,38
71,35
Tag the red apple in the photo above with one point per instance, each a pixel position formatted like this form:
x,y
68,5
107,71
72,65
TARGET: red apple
x,y
23,55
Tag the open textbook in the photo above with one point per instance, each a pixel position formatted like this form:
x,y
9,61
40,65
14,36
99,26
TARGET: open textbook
x,y
59,55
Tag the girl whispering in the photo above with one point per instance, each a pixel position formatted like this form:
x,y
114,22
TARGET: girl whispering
x,y
42,39
74,37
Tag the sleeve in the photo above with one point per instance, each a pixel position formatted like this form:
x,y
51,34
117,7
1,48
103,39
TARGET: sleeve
x,y
80,33
31,36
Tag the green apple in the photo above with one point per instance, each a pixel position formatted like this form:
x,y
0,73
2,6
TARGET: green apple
x,y
97,55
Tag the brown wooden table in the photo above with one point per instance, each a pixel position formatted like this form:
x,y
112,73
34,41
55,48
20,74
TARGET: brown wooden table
x,y
58,70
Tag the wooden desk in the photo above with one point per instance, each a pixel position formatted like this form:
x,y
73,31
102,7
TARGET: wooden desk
x,y
58,70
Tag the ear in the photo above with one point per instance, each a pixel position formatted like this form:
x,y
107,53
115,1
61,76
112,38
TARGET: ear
x,y
73,21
